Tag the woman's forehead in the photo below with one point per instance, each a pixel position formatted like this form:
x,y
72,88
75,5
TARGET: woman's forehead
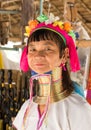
x,y
42,42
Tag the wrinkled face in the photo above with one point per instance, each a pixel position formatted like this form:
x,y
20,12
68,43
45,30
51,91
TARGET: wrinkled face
x,y
43,56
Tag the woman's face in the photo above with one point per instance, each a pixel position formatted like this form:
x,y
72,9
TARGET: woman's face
x,y
43,56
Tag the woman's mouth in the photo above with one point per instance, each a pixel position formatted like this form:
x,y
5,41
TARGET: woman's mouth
x,y
39,64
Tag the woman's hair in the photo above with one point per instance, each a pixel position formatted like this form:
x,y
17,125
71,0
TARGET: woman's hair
x,y
44,34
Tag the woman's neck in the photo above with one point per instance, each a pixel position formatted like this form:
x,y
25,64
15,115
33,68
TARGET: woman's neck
x,y
49,86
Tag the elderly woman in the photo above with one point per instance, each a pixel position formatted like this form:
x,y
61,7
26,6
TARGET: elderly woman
x,y
54,103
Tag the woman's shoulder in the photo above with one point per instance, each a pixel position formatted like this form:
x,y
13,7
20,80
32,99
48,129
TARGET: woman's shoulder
x,y
19,117
79,109
75,101
25,104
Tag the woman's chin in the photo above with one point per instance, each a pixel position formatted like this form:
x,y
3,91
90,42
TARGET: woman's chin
x,y
41,71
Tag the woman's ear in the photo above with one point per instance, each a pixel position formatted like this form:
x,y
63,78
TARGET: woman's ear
x,y
65,56
66,53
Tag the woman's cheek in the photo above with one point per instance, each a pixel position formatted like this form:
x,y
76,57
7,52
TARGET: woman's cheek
x,y
29,61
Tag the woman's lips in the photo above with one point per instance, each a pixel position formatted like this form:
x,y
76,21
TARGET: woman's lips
x,y
39,64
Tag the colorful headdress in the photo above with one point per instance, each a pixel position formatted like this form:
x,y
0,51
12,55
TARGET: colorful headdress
x,y
63,29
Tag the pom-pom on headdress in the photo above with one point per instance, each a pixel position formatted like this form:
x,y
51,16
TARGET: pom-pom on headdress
x,y
63,29
51,23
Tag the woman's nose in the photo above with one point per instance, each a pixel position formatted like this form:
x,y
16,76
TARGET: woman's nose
x,y
40,53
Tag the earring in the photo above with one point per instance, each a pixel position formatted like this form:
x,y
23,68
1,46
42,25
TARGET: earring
x,y
63,66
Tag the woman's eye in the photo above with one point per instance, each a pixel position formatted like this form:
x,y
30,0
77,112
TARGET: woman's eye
x,y
48,49
32,50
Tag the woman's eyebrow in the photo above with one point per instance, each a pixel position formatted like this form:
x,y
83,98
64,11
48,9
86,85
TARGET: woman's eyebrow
x,y
47,44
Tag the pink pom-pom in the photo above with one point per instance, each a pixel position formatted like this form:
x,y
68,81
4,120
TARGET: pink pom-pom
x,y
23,61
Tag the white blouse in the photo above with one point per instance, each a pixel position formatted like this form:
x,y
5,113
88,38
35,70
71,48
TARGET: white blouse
x,y
71,113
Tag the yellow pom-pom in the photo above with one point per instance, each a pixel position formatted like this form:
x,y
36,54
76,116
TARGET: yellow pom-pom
x,y
58,23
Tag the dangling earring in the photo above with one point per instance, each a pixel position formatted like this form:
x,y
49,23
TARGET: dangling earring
x,y
63,66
